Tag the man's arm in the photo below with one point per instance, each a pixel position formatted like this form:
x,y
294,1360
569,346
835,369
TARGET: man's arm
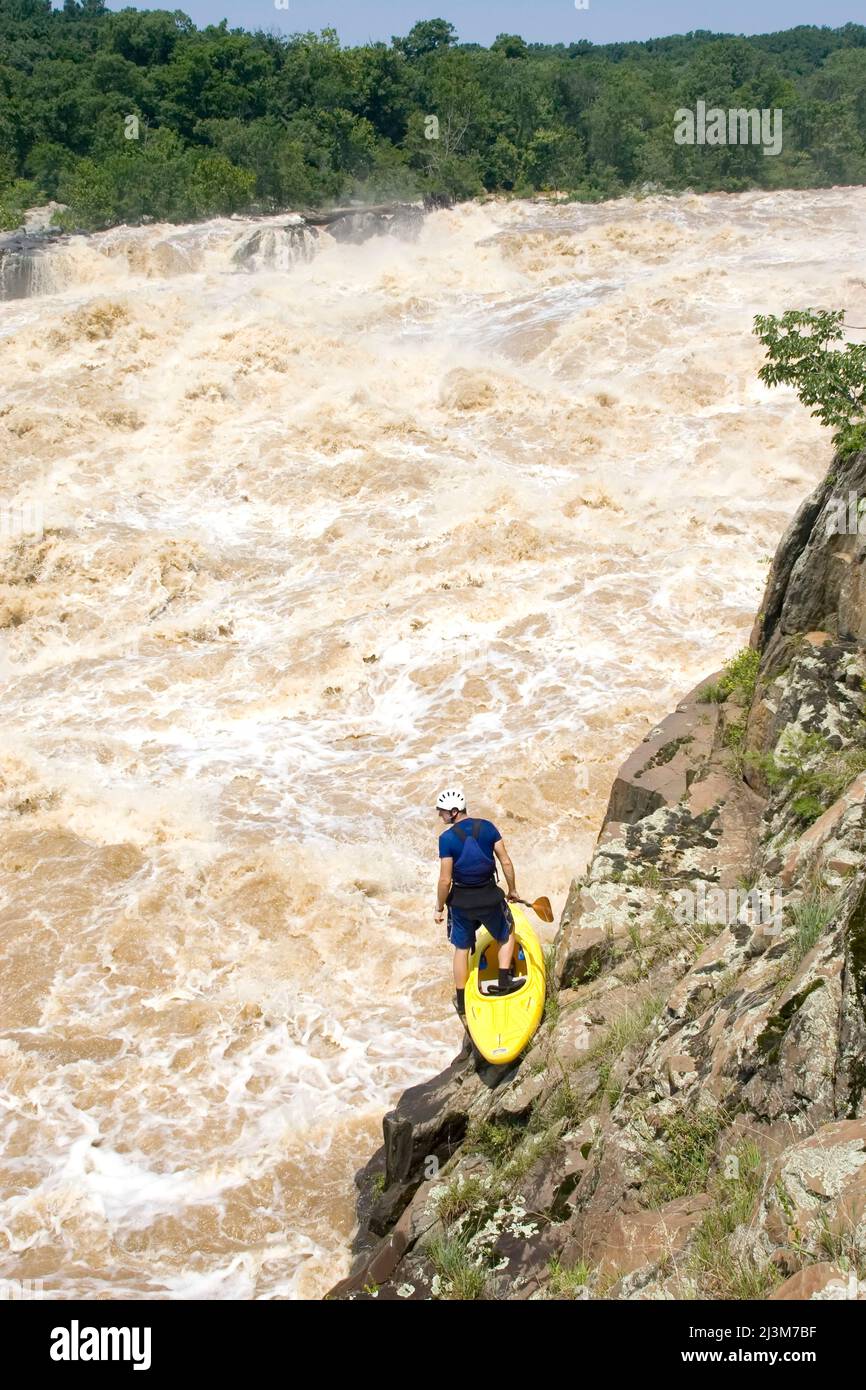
x,y
507,867
443,887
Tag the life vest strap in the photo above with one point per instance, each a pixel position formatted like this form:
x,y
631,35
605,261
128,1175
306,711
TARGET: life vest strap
x,y
461,834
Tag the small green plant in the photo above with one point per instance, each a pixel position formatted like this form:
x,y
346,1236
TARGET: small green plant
x,y
461,1278
612,1091
604,1072
551,1007
852,441
533,1147
807,808
663,918
495,1140
726,982
740,675
840,1244
811,916
734,739
647,876
564,1281
717,1269
460,1196
592,970
551,1001
671,936
785,1200
638,968
680,1166
750,1280
737,682
735,735
622,1034
713,694
697,934
628,1028
565,1104
811,769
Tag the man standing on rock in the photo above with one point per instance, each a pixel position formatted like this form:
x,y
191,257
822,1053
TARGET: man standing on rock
x,y
468,887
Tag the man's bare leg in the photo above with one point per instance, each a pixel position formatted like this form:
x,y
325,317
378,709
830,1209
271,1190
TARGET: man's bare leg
x,y
461,975
506,951
461,967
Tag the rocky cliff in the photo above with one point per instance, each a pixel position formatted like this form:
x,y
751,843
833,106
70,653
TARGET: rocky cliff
x,y
690,1119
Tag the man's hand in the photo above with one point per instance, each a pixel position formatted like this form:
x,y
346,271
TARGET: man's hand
x,y
439,913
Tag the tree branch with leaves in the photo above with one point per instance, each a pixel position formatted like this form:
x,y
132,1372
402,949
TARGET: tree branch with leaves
x,y
802,352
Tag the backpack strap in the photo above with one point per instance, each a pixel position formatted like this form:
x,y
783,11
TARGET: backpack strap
x,y
461,834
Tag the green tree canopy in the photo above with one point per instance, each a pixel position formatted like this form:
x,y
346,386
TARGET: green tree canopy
x,y
140,113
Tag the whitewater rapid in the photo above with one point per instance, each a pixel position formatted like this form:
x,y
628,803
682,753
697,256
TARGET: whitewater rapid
x,y
322,534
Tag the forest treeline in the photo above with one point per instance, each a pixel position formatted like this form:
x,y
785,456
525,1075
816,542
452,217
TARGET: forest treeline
x,y
142,114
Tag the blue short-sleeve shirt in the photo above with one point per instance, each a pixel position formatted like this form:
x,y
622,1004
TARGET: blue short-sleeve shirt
x,y
451,847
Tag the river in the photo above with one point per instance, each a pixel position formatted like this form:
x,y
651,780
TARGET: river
x,y
320,536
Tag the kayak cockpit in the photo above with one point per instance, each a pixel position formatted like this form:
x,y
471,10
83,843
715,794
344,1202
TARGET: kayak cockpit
x,y
488,966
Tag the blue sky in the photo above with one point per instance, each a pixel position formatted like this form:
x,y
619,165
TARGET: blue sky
x,y
479,21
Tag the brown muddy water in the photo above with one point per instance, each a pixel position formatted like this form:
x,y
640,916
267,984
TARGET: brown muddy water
x,y
320,537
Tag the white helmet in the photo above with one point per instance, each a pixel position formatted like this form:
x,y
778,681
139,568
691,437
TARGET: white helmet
x,y
451,800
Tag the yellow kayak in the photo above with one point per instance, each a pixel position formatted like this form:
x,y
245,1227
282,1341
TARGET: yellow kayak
x,y
501,1025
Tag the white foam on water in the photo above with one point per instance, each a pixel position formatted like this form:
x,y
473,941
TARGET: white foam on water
x,y
318,539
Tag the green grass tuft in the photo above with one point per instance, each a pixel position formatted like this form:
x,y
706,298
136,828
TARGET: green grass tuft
x,y
719,1271
496,1140
811,916
565,1282
680,1166
451,1259
811,769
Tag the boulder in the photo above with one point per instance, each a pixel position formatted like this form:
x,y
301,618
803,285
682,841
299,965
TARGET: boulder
x,y
659,772
625,1242
818,1186
814,840
429,1119
812,1281
814,582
